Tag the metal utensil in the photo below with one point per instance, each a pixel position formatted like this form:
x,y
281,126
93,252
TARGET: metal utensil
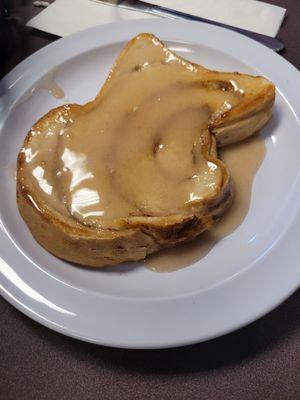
x,y
139,5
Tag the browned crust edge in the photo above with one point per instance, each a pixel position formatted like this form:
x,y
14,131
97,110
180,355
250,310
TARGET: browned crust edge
x,y
87,246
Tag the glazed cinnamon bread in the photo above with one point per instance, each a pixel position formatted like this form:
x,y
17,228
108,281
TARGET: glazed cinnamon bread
x,y
136,169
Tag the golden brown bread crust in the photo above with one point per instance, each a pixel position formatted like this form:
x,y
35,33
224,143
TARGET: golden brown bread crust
x,y
72,241
234,130
91,249
140,236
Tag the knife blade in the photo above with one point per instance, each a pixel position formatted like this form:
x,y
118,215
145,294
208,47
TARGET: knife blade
x,y
139,5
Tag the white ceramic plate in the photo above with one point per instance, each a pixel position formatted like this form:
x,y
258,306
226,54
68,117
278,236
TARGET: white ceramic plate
x,y
243,277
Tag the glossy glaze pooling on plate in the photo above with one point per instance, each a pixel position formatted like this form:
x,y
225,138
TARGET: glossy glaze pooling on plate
x,y
243,160
48,83
137,150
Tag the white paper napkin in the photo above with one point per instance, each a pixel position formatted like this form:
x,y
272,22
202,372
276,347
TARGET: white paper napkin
x,y
64,17
252,15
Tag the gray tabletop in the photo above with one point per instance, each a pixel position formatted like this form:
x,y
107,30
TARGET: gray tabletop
x,y
260,361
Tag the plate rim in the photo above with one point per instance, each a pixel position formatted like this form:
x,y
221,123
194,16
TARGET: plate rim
x,y
12,79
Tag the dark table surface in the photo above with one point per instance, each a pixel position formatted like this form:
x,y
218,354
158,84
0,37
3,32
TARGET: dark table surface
x,y
260,361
